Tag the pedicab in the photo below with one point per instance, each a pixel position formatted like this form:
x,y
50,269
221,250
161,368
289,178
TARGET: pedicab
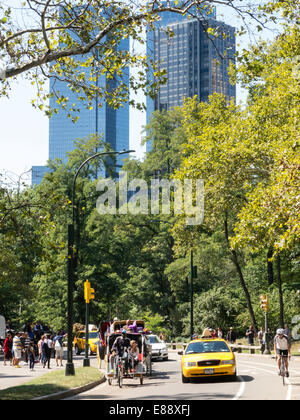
x,y
122,367
137,326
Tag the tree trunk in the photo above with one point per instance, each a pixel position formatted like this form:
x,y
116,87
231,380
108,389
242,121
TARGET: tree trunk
x,y
279,282
241,277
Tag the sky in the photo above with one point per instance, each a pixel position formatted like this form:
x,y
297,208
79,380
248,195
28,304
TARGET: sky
x,y
24,130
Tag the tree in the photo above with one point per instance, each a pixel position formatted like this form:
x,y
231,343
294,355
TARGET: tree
x,y
271,215
165,134
78,41
217,150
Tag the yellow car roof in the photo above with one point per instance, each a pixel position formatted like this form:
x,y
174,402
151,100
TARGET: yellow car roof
x,y
207,339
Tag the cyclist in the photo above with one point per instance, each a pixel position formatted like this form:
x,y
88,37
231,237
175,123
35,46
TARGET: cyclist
x,y
120,349
282,348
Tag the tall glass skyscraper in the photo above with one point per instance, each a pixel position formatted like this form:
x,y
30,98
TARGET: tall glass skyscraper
x,y
112,123
193,62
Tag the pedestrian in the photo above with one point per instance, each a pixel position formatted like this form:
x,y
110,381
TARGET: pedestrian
x,y
231,336
30,355
250,334
17,350
220,333
9,326
8,344
38,330
261,340
58,347
46,351
25,342
207,333
40,350
287,332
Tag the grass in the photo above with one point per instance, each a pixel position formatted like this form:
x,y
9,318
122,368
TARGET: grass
x,y
51,383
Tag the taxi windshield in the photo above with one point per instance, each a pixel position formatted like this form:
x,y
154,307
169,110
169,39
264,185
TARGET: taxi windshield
x,y
93,335
207,347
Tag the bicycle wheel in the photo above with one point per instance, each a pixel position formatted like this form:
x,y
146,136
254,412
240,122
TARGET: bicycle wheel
x,y
120,376
282,370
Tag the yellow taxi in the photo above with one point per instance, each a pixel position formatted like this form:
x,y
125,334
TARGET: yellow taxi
x,y
207,357
79,342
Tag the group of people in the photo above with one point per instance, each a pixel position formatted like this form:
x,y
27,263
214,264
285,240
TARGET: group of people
x,y
217,333
250,334
35,344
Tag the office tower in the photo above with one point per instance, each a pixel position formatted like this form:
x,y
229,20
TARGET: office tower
x,y
193,62
37,174
112,123
154,37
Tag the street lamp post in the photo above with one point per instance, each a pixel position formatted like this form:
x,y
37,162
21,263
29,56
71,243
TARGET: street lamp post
x,y
192,294
70,370
193,276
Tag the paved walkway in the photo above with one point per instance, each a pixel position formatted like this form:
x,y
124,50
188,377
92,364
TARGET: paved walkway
x,y
11,376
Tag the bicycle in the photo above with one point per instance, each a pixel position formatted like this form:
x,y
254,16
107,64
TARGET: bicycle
x,y
121,369
282,369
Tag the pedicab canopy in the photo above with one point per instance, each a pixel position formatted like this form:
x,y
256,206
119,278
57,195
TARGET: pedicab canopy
x,y
136,326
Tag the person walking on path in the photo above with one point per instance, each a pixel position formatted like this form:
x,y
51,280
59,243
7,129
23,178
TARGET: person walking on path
x,y
26,342
231,337
40,350
17,350
261,341
30,355
8,343
250,334
287,333
46,351
58,347
220,333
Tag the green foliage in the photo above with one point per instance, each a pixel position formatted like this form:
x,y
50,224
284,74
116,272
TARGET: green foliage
x,y
138,265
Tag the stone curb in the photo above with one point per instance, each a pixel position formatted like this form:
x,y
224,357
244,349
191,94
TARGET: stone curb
x,y
70,392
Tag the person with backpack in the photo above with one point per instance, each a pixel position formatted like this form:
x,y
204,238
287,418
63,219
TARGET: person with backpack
x,y
58,347
46,351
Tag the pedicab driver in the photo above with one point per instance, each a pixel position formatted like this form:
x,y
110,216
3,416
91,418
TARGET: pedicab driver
x,y
121,344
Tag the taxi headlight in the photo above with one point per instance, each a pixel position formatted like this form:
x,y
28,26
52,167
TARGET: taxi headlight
x,y
228,362
189,364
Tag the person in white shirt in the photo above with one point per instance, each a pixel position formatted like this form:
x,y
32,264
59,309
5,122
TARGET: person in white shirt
x,y
282,348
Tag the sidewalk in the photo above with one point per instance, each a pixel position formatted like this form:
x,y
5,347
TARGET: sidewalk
x,y
11,376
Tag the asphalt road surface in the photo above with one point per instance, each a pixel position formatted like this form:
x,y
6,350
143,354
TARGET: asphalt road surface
x,y
257,380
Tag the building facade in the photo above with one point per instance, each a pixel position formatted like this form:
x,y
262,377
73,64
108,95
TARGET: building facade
x,y
195,62
112,124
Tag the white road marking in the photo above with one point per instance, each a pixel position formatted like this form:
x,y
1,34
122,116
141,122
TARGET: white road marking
x,y
290,387
241,389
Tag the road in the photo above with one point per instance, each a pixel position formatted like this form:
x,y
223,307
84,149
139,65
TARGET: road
x,y
257,380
